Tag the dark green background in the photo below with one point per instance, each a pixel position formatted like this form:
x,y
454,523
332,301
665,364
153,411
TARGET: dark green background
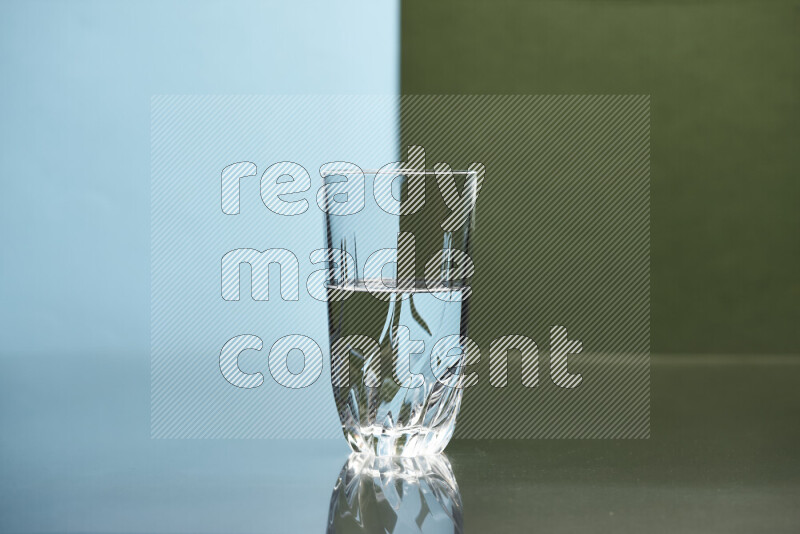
x,y
724,80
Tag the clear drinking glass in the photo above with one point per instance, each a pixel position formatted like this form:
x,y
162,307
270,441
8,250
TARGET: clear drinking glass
x,y
398,291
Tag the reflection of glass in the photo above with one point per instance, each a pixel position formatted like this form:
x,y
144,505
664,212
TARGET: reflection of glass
x,y
398,293
393,495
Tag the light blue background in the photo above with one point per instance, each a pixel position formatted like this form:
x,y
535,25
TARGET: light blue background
x,y
193,140
77,79
75,97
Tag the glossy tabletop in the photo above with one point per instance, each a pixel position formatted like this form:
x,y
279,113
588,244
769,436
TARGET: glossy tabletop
x,y
723,456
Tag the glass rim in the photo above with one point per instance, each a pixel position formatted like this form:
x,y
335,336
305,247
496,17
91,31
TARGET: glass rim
x,y
411,172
